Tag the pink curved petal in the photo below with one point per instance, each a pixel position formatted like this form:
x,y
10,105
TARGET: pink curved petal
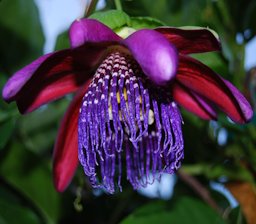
x,y
52,76
191,41
242,101
90,30
202,80
193,102
156,56
20,78
65,156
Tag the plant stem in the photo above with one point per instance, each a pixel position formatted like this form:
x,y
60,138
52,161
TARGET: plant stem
x,y
118,5
90,8
199,189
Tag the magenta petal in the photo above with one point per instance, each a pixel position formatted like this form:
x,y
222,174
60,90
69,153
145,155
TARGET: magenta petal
x,y
202,80
191,41
156,56
90,30
19,79
243,103
193,102
52,76
31,81
65,156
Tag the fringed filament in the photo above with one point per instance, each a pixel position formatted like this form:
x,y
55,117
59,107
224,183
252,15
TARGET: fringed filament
x,y
125,121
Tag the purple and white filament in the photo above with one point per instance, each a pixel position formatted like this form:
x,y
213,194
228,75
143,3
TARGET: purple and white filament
x,y
125,119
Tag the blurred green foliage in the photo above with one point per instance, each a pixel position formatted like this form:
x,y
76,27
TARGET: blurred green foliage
x,y
183,211
26,188
21,34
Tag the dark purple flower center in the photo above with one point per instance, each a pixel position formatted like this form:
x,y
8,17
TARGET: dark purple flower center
x,y
126,121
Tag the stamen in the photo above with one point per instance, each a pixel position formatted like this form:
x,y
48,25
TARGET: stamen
x,y
124,118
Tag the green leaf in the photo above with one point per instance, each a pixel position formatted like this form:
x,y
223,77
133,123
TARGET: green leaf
x,y
6,130
41,124
31,175
62,41
14,213
21,34
145,22
185,211
12,202
114,19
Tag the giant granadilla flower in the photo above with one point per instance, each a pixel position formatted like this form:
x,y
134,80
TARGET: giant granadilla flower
x,y
125,115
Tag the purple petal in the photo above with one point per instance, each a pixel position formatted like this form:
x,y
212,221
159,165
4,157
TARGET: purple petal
x,y
54,75
202,80
90,30
157,57
17,81
243,103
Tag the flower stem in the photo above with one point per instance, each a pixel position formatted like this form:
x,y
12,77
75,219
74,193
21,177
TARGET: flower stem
x,y
118,5
199,189
90,8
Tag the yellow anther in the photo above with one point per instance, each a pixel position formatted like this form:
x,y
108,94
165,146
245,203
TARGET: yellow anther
x,y
118,97
125,94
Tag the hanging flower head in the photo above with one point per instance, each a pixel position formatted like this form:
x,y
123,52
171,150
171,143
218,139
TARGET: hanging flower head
x,y
125,115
